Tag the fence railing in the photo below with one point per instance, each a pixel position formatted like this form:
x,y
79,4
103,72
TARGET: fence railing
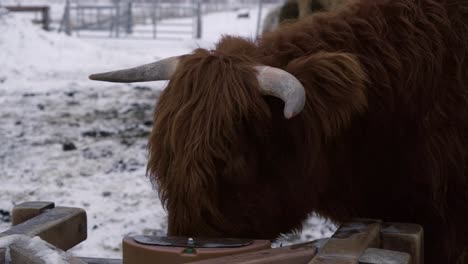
x,y
368,241
43,10
133,19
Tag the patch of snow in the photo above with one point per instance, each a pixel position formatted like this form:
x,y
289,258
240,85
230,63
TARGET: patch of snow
x,y
35,56
43,252
36,246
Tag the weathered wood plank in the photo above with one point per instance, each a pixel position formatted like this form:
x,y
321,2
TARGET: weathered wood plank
x,y
383,256
52,226
349,242
2,255
25,250
404,237
27,210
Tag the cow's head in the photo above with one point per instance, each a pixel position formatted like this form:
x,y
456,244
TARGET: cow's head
x,y
212,125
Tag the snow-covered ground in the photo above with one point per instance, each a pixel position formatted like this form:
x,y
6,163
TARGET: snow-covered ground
x,y
80,143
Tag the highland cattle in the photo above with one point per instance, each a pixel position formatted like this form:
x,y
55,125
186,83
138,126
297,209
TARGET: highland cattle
x,y
357,112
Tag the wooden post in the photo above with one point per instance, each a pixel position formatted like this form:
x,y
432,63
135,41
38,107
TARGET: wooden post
x,y
98,16
46,18
129,19
199,20
65,24
259,18
79,14
117,18
2,255
153,17
67,19
404,237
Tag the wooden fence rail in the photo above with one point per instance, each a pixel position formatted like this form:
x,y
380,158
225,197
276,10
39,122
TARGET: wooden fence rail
x,y
360,241
43,10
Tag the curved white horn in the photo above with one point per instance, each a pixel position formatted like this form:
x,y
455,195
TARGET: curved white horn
x,y
285,86
156,71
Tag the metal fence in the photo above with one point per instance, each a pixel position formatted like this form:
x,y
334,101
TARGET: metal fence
x,y
133,19
144,18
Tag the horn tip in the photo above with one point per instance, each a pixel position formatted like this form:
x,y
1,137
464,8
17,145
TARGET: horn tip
x,y
93,77
290,115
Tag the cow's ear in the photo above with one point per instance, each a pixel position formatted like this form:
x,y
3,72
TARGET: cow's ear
x,y
335,84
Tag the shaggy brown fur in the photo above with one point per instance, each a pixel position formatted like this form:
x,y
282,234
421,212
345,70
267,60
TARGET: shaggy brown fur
x,y
384,132
293,10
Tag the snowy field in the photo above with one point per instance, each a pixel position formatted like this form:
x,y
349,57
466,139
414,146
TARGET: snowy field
x,y
83,144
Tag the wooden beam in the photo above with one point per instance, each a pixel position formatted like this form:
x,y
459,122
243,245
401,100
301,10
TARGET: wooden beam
x,y
36,251
25,211
63,227
349,242
44,10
